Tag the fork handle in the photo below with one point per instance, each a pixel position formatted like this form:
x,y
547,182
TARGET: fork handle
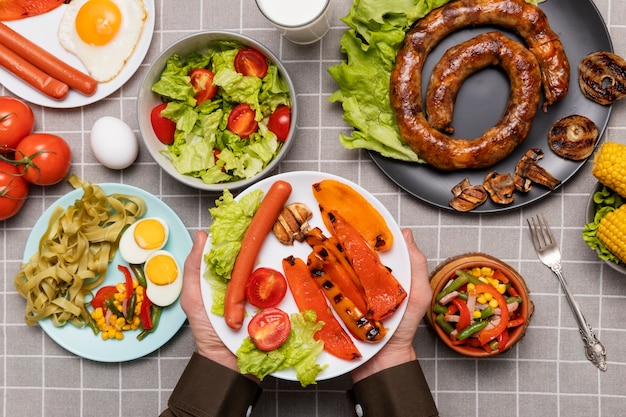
x,y
594,350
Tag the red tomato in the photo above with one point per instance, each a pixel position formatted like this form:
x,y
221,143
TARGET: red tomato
x,y
13,190
16,122
279,122
251,62
103,294
266,287
269,328
44,159
202,82
163,127
241,121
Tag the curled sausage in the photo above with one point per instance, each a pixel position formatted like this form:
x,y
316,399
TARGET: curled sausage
x,y
461,61
406,78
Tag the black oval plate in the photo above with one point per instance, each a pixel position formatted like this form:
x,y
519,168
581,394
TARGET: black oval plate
x,y
482,100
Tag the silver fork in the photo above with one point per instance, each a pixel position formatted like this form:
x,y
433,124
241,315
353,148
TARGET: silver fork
x,y
550,255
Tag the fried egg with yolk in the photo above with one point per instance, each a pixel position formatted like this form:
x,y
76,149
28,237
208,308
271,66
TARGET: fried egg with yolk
x,y
102,33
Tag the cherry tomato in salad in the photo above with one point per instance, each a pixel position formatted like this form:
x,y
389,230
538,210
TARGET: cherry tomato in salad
x,y
269,328
241,121
266,287
202,82
103,294
43,158
251,62
279,122
13,190
16,122
163,127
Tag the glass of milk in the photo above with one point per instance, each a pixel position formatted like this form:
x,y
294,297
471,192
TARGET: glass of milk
x,y
300,21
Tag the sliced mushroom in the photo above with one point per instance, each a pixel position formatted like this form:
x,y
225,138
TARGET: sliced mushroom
x,y
527,172
602,77
573,137
292,223
500,187
467,196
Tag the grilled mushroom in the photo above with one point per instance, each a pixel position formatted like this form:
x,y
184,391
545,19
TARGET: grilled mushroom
x,y
573,137
292,223
500,187
527,172
602,77
467,196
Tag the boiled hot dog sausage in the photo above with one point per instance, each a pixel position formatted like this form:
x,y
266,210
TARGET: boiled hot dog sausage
x,y
461,61
406,78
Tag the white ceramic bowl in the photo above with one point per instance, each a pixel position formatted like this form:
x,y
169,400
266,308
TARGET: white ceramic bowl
x,y
591,212
147,100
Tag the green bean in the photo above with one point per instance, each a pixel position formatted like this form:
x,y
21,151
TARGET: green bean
x,y
445,326
512,300
130,309
488,311
439,308
111,306
471,329
139,274
453,286
470,278
155,316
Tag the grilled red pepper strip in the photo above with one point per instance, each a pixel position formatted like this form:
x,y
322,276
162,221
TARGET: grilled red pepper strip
x,y
144,313
129,281
489,334
465,318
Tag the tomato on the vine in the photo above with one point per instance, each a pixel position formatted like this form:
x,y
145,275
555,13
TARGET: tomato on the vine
x,y
163,127
279,122
269,328
251,62
266,287
241,120
202,82
13,190
16,122
43,158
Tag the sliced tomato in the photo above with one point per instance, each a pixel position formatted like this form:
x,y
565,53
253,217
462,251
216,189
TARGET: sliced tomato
x,y
202,82
266,287
241,121
103,294
269,328
279,122
251,62
163,127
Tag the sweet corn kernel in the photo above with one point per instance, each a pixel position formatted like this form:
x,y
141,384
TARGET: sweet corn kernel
x,y
485,271
612,232
609,167
483,280
481,299
476,314
501,288
488,296
471,287
493,303
476,272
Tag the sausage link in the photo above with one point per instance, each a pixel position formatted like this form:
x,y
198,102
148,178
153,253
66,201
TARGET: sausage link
x,y
406,78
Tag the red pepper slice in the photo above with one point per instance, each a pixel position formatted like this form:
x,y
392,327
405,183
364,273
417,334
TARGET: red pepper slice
x,y
144,313
129,281
486,335
499,275
503,339
103,294
516,322
465,318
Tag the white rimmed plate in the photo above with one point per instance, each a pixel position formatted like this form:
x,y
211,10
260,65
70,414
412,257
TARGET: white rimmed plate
x,y
83,342
42,30
273,252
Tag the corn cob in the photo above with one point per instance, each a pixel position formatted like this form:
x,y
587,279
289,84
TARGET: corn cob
x,y
612,232
609,166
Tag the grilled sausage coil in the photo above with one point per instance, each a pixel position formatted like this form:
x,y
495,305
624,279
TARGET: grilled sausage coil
x,y
433,146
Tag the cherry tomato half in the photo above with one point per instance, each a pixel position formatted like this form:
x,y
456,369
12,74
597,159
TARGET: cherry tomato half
x,y
163,127
249,62
279,122
103,294
43,159
202,82
266,287
13,190
241,121
269,328
16,122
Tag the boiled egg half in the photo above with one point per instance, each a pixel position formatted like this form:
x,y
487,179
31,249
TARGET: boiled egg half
x,y
142,239
163,278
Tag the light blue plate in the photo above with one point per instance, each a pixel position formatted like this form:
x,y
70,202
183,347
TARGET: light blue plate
x,y
83,342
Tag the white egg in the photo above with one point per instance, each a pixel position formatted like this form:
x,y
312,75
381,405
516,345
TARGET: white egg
x,y
163,278
113,143
102,33
142,239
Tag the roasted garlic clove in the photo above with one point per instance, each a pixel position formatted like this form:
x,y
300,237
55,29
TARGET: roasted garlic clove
x,y
292,223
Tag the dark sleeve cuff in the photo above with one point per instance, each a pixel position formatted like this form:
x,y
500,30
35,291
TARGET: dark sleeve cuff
x,y
208,389
399,391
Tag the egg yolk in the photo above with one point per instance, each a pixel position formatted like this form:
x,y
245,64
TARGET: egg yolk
x,y
161,270
149,234
98,21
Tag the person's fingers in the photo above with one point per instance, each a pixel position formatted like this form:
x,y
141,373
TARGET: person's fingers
x,y
421,292
191,276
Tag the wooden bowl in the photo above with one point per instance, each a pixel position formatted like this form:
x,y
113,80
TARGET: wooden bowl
x,y
446,271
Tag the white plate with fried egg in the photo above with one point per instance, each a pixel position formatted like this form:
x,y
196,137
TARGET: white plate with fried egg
x,y
133,40
82,341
